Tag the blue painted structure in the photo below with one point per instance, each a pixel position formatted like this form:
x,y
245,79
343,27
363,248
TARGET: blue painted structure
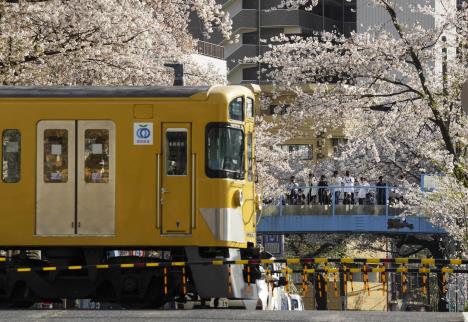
x,y
371,224
336,217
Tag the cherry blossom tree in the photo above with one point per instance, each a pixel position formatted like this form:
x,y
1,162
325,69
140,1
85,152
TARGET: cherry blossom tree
x,y
101,42
396,96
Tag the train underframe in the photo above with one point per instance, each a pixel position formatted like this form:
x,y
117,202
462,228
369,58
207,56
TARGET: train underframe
x,y
126,280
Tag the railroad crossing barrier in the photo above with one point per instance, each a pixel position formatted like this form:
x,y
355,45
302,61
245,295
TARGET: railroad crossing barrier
x,y
250,262
320,269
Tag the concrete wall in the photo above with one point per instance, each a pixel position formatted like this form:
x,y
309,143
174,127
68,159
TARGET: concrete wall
x,y
370,14
211,65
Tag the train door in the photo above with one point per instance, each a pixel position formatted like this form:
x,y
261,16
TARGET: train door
x,y
176,185
55,200
75,178
95,177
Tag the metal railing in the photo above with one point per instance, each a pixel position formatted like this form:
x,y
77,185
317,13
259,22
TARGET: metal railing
x,y
210,50
336,200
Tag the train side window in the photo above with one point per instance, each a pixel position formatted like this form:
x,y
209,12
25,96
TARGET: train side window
x,y
250,156
55,156
11,161
236,109
249,107
176,155
96,156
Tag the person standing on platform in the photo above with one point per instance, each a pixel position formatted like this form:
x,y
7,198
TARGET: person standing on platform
x,y
381,191
337,182
313,190
363,190
292,190
323,192
348,189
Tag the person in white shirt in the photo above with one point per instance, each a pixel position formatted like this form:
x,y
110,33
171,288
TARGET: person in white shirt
x,y
313,190
336,181
363,190
348,189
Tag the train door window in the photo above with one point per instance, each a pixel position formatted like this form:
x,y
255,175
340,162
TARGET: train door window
x,y
55,156
176,156
236,109
250,156
11,161
96,150
249,107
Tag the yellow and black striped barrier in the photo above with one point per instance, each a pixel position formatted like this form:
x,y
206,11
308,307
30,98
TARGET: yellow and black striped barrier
x,y
304,262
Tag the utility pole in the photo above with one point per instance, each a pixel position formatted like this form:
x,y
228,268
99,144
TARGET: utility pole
x,y
464,96
259,40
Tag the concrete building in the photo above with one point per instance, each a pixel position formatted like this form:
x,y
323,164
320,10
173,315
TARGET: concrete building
x,y
368,14
254,23
371,15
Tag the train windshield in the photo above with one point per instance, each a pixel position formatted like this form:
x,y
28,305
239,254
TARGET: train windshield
x,y
225,151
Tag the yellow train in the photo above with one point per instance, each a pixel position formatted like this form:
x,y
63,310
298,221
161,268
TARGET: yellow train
x,y
88,171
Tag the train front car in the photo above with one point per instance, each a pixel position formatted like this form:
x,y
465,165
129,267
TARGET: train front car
x,y
93,176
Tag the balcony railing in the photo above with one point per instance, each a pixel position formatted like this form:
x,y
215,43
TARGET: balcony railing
x,y
210,50
336,200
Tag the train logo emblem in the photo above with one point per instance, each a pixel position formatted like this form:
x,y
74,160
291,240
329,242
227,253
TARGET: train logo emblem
x,y
143,133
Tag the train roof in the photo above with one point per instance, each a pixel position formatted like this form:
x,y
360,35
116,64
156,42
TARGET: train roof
x,y
99,91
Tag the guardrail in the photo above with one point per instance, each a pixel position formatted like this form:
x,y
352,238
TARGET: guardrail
x,y
336,200
210,50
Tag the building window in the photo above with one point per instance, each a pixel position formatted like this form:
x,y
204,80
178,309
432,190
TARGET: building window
x,y
279,109
333,10
11,161
250,74
460,3
249,4
338,144
350,11
302,151
250,38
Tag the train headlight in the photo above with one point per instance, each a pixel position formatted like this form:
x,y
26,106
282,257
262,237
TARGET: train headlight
x,y
239,198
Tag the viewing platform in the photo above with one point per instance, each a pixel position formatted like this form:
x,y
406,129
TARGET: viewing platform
x,y
332,216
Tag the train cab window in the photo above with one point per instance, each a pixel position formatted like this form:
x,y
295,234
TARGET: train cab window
x,y
11,161
249,107
224,151
250,156
96,156
176,156
236,109
55,156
